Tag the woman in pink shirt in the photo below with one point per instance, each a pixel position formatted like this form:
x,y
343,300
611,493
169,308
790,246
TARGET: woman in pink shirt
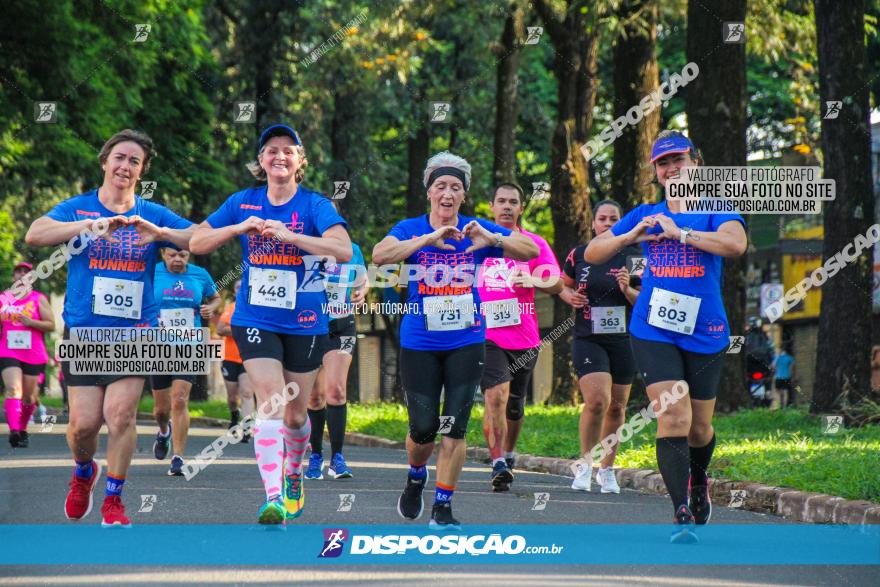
x,y
23,353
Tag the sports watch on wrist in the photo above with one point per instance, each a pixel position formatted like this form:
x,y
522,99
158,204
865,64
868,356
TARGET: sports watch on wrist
x,y
684,234
498,242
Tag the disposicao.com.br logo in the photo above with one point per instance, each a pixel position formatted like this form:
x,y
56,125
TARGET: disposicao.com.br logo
x,y
448,544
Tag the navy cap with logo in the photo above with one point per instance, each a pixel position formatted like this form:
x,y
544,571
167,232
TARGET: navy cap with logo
x,y
677,143
277,130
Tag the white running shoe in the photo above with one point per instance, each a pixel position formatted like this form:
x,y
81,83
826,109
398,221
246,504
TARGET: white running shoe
x,y
583,481
608,481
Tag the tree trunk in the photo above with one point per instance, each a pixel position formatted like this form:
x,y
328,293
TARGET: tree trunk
x,y
504,165
418,156
345,114
635,76
576,49
843,370
716,112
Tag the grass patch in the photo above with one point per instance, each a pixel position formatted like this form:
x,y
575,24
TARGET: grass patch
x,y
782,447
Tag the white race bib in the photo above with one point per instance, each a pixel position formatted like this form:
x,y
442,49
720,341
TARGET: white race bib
x,y
274,288
178,318
609,319
18,339
449,312
336,300
502,313
673,311
120,298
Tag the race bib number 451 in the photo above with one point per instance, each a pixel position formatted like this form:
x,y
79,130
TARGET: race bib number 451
x,y
673,311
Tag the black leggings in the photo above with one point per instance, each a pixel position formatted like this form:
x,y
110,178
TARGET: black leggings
x,y
424,374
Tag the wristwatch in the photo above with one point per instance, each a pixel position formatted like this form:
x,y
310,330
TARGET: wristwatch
x,y
498,237
684,234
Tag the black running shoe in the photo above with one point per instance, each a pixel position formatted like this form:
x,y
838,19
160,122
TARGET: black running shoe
x,y
501,477
700,504
441,517
23,439
511,461
410,504
14,438
683,532
234,418
176,469
162,444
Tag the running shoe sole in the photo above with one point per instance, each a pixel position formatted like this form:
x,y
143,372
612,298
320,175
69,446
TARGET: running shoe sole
x,y
343,475
444,527
502,481
273,516
91,497
115,525
421,506
318,478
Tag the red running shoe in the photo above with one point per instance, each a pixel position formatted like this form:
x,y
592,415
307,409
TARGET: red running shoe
x,y
79,498
113,511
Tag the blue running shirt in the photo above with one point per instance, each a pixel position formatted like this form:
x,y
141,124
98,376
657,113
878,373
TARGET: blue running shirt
x,y
414,334
307,213
127,260
184,290
682,269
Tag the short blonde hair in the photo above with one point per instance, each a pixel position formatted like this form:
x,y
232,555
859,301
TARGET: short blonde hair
x,y
447,159
260,174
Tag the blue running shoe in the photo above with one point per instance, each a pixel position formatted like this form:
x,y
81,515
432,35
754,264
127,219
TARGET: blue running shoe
x,y
176,469
338,469
316,464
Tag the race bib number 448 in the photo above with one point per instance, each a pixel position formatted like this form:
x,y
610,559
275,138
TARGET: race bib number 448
x,y
274,288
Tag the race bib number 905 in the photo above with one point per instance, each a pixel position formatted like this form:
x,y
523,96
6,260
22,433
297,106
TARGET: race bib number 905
x,y
120,298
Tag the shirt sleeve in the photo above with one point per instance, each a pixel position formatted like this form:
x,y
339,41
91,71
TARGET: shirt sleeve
x,y
568,265
226,316
208,282
169,219
545,260
399,231
226,214
325,215
63,211
628,222
716,220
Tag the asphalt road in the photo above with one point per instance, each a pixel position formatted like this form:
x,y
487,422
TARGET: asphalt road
x,y
33,484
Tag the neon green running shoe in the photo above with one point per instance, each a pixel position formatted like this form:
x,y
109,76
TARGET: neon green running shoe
x,y
272,513
294,495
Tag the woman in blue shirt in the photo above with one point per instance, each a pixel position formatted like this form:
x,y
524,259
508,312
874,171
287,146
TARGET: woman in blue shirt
x,y
285,232
442,343
679,328
109,284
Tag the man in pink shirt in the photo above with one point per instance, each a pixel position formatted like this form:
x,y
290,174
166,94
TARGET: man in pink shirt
x,y
507,294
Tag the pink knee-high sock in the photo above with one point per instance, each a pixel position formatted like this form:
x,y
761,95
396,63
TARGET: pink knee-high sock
x,y
13,409
27,410
269,450
295,442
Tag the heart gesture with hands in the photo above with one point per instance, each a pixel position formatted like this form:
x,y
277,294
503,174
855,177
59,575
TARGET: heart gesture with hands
x,y
276,229
437,238
480,237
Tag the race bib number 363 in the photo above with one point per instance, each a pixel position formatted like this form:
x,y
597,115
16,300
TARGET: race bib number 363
x,y
673,311
274,288
609,319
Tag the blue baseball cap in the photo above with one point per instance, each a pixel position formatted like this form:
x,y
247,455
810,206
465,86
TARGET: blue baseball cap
x,y
677,143
277,130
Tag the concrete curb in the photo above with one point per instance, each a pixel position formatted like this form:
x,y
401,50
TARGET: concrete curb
x,y
798,506
791,504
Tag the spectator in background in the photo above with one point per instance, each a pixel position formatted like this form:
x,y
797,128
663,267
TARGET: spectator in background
x,y
783,364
